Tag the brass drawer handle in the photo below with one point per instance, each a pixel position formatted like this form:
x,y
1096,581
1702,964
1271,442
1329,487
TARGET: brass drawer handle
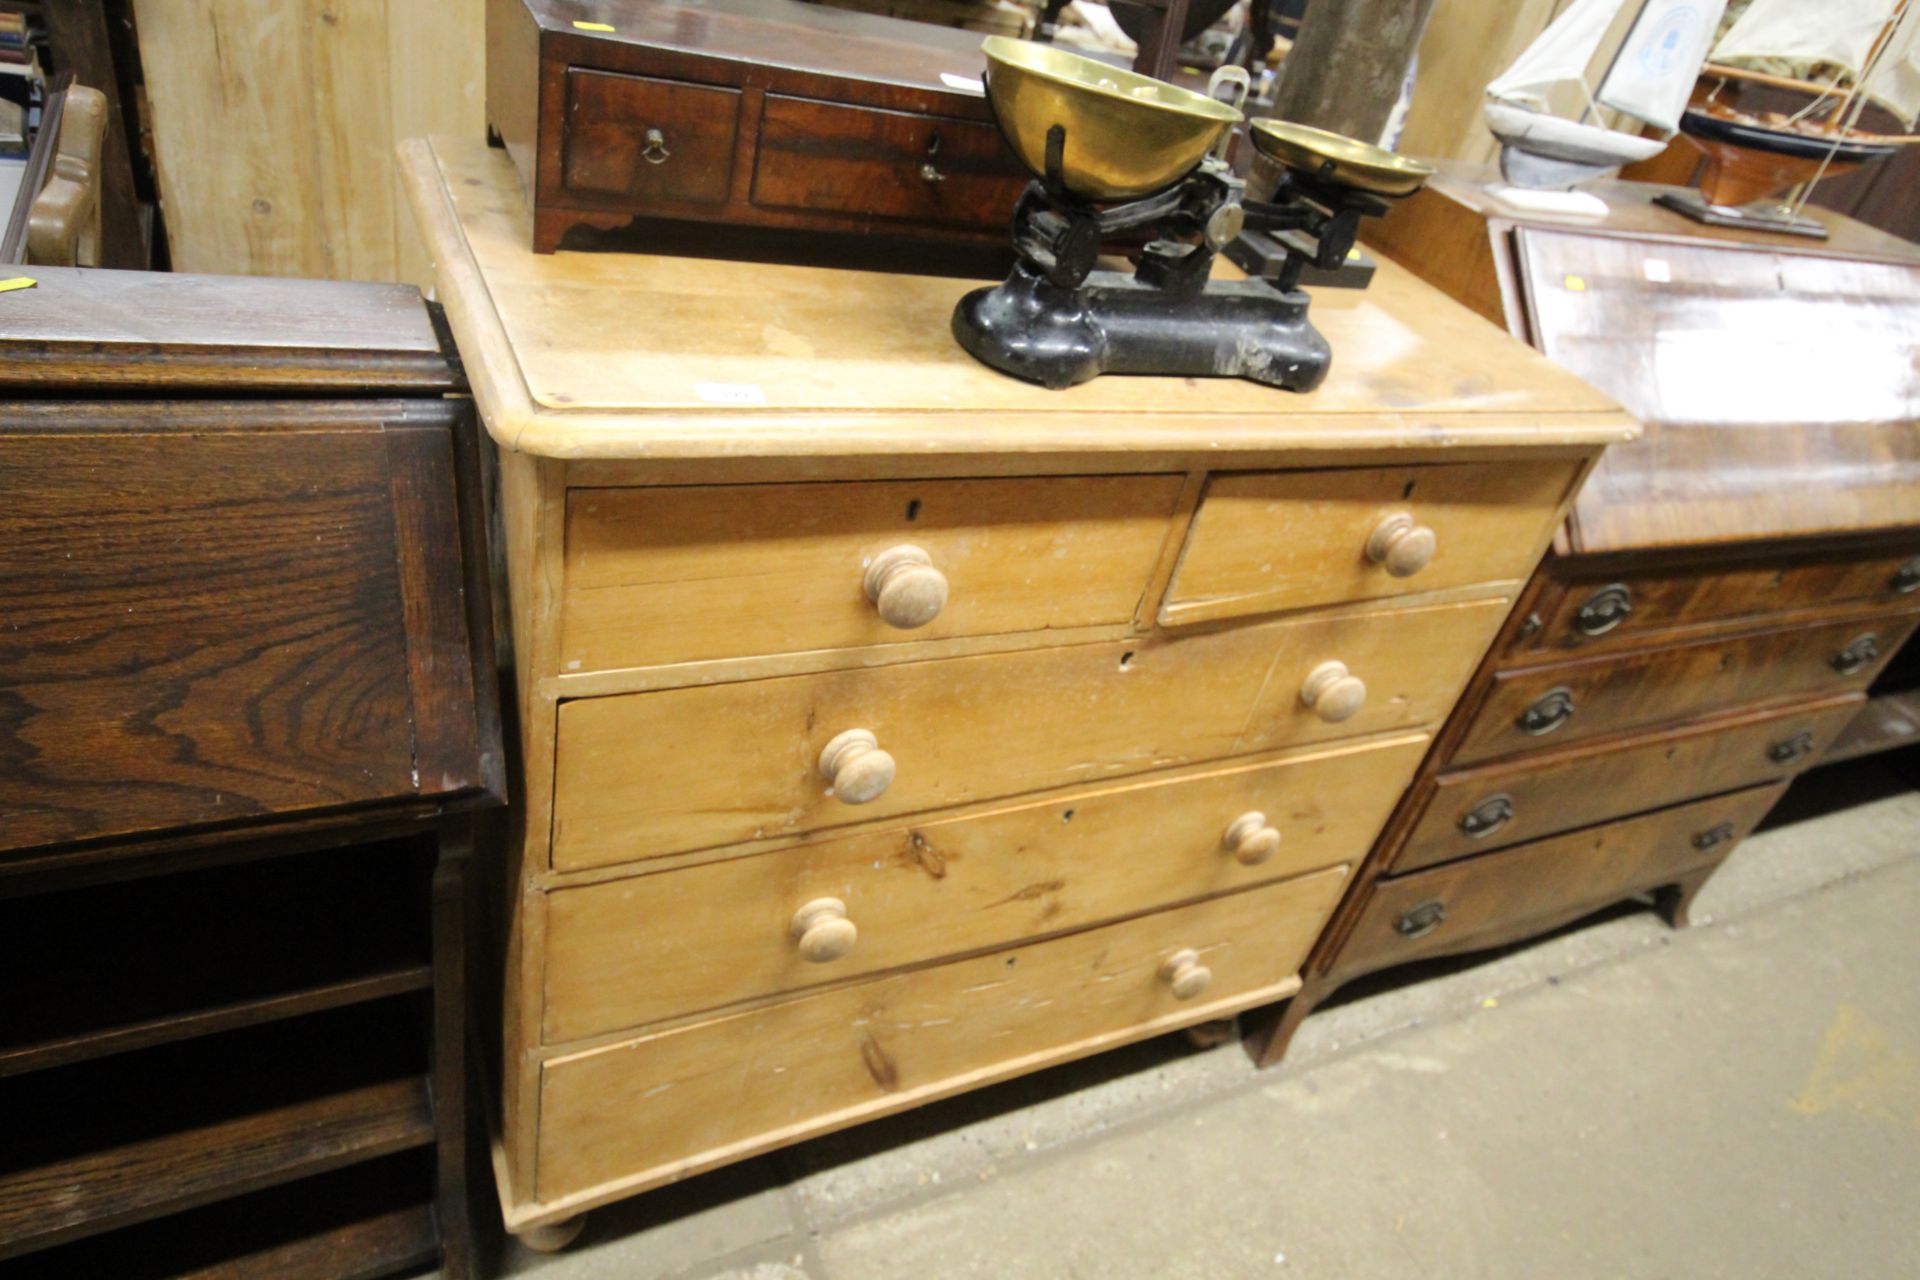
x,y
1183,972
1487,817
1604,610
1713,836
1859,653
1250,840
1334,693
1906,579
930,174
656,151
822,931
1551,710
1403,547
855,767
905,588
1787,750
1422,920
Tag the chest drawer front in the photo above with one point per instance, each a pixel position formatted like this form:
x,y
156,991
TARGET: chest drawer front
x,y
1519,891
1481,810
660,1107
645,774
1298,539
1534,709
633,137
660,576
1634,609
629,952
835,158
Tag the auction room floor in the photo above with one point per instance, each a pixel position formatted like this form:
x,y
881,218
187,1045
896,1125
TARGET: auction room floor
x,y
1741,1099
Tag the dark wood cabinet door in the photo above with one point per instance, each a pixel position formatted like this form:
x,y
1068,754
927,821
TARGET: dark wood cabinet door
x,y
214,611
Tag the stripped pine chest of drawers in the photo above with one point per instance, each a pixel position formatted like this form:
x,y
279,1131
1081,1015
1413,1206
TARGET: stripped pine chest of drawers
x,y
888,727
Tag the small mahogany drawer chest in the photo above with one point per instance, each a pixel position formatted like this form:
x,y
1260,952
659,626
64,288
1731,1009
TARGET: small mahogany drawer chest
x,y
889,727
1725,591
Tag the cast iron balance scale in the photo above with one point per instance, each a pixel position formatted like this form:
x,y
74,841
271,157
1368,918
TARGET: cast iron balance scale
x,y
1115,155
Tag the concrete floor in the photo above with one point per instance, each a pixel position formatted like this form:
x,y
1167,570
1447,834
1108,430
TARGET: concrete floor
x,y
1741,1100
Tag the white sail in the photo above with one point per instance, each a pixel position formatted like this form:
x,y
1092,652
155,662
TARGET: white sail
x,y
1560,54
1895,80
1653,74
1841,32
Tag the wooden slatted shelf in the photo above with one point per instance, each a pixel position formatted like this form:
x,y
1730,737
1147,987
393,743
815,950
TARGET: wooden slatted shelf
x,y
370,1219
115,1186
150,961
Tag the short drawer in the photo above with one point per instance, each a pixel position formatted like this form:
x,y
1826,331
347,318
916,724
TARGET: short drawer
x,y
628,952
1646,607
1502,896
637,138
669,575
638,775
830,157
1537,708
1478,810
1274,541
660,1107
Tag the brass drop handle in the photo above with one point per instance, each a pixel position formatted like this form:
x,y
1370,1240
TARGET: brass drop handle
x,y
855,767
1487,817
1405,548
1250,840
1183,972
1334,693
1548,712
1859,654
1422,920
930,174
1789,749
655,151
1713,836
822,931
905,587
1604,610
1906,579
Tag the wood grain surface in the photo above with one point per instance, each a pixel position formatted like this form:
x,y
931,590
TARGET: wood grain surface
x,y
620,1119
627,952
1271,542
1531,887
1597,781
1663,686
206,621
681,574
641,775
616,355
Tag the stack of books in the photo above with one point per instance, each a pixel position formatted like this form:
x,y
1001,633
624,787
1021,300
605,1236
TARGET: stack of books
x,y
22,89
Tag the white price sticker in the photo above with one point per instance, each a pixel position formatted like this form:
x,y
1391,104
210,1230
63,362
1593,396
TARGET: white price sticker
x,y
1657,270
965,84
729,393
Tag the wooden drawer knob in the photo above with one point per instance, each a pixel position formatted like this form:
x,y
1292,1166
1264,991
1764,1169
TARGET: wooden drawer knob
x,y
1405,548
1250,840
905,588
1183,972
822,930
1334,693
856,767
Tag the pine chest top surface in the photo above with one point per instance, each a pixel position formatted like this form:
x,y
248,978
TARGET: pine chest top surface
x,y
604,355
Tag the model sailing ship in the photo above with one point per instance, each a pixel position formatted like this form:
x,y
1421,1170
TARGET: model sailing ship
x,y
1833,59
1544,149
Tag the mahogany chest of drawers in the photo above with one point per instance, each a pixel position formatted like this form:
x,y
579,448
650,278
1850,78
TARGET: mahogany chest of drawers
x,y
889,727
750,117
1724,594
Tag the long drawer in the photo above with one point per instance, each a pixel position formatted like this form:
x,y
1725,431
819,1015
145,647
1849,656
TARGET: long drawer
x,y
1524,890
640,775
1539,707
1479,810
1649,605
666,575
1273,541
649,1110
628,952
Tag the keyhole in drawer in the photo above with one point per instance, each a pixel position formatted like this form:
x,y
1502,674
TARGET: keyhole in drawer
x,y
1408,491
1126,660
933,145
1067,816
913,509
